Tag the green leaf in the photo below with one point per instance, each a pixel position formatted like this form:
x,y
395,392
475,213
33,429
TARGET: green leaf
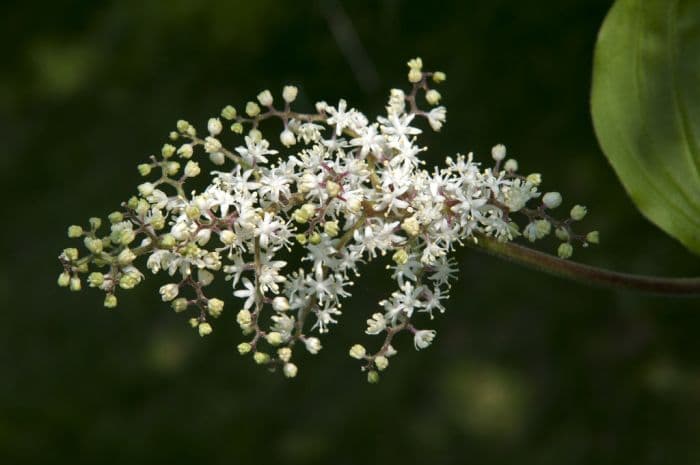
x,y
646,108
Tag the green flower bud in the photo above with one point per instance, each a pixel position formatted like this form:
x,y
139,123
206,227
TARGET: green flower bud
x,y
179,305
565,250
71,254
215,307
116,217
373,377
75,231
593,237
333,188
168,241
125,257
381,362
183,126
244,348
172,168
357,351
237,128
284,354
578,212
252,109
400,257
315,238
192,169
439,76
144,169
433,97
301,238
128,281
96,279
228,112
511,165
261,358
110,301
95,223
168,150
173,135
551,199
192,212
205,329
535,179
133,203
64,279
331,228
244,318
274,338
75,284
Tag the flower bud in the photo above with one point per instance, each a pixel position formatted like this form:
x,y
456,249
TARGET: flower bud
x,y
205,329
313,345
565,250
593,237
411,226
215,307
274,338
578,212
64,279
169,291
511,165
185,151
212,145
145,189
400,257
265,98
498,152
192,169
125,257
284,354
75,231
228,112
244,348
179,305
71,254
331,228
372,377
535,179
96,279
214,126
439,76
244,318
227,237
261,358
562,234
433,97
289,93
129,281
315,238
75,284
415,75
116,217
333,188
252,109
287,138
381,362
110,301
551,199
144,169
280,304
290,370
357,351
237,128
218,158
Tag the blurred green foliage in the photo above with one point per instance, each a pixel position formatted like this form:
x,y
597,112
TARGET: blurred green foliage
x,y
526,369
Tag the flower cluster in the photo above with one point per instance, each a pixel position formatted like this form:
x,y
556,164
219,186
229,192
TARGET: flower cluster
x,y
340,186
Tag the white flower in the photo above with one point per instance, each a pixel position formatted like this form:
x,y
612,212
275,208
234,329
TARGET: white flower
x,y
248,293
423,338
376,324
437,117
169,291
313,345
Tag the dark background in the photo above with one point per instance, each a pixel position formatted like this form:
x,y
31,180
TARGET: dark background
x,y
527,368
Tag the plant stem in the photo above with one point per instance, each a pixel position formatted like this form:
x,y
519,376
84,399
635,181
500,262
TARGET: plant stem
x,y
585,273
